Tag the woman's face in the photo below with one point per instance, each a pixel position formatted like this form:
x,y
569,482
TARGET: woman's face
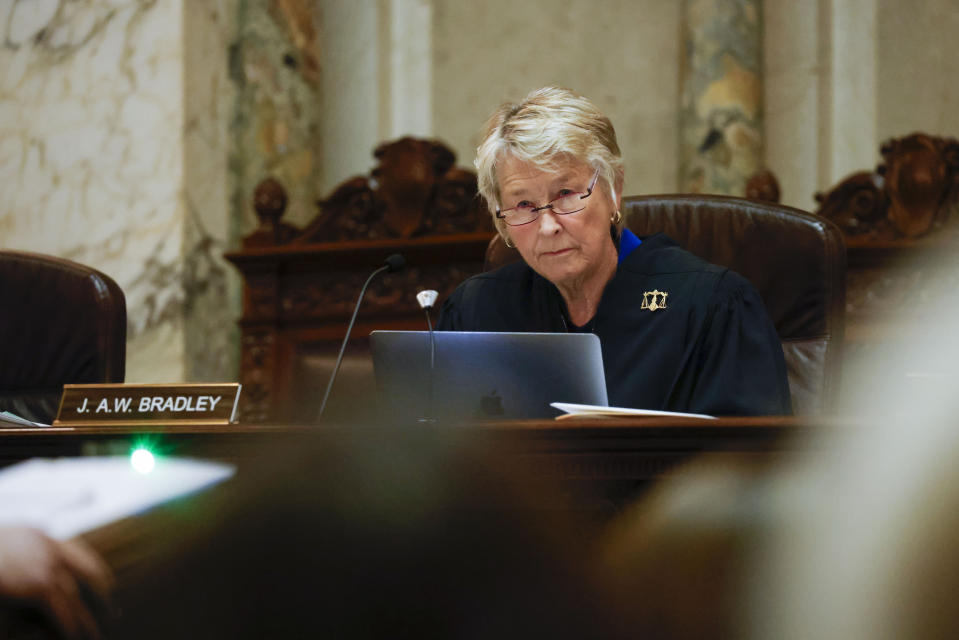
x,y
565,249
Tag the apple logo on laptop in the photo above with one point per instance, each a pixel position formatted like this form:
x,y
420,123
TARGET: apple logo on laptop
x,y
492,404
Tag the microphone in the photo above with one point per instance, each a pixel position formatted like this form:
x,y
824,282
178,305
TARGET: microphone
x,y
427,298
392,264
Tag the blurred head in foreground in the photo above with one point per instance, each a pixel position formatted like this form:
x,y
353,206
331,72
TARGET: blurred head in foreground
x,y
867,517
398,533
678,558
852,536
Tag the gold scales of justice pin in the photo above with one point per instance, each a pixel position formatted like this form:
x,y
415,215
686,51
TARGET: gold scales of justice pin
x,y
654,300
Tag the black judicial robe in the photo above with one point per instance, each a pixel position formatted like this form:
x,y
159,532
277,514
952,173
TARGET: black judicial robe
x,y
712,349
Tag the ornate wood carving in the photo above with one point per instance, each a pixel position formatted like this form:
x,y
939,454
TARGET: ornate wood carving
x,y
857,204
269,202
333,294
301,284
922,178
763,186
415,190
256,375
912,193
900,229
260,299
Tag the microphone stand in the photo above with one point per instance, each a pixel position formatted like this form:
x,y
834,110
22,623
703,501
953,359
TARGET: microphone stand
x,y
394,263
426,299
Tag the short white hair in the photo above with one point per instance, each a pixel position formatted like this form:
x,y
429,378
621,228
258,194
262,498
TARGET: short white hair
x,y
550,125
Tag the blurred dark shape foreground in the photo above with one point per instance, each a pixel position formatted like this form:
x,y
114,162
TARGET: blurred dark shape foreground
x,y
851,535
370,533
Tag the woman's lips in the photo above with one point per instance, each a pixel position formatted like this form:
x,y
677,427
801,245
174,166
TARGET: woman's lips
x,y
558,252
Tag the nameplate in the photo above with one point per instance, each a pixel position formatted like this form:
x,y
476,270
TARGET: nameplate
x,y
147,404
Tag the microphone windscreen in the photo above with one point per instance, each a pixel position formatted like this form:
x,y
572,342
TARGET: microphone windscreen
x,y
395,262
427,298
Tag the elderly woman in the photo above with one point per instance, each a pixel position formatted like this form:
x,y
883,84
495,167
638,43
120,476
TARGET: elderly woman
x,y
552,174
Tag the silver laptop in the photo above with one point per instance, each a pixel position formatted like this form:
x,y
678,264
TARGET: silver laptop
x,y
485,375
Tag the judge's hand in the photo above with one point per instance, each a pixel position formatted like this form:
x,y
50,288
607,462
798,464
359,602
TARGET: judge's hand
x,y
64,580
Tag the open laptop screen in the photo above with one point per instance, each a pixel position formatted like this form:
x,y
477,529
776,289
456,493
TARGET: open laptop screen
x,y
486,375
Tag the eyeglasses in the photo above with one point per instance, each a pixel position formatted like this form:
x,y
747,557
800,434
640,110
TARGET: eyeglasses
x,y
525,212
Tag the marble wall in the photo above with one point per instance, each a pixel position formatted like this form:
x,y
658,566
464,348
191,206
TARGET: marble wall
x,y
211,224
377,81
91,154
848,141
350,89
622,54
275,126
916,61
721,108
821,69
837,77
844,75
134,132
792,77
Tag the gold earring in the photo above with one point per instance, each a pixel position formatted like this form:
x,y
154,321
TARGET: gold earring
x,y
508,243
617,217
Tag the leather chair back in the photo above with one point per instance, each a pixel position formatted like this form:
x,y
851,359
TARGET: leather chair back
x,y
795,260
60,322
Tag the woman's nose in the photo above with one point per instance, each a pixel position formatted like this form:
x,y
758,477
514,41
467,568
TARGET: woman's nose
x,y
549,222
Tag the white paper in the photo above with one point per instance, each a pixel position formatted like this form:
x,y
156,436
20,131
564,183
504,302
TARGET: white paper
x,y
8,419
597,410
65,497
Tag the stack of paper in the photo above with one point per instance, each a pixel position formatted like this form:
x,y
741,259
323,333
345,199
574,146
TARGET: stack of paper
x,y
69,496
596,411
8,419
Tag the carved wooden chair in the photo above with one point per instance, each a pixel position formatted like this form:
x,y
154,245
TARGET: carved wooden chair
x,y
60,322
795,260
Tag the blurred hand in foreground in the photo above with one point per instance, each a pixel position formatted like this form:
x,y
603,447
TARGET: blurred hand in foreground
x,y
65,581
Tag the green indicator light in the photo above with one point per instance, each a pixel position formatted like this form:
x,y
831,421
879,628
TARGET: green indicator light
x,y
142,460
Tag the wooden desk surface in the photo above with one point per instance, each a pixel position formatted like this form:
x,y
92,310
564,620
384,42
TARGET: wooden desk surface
x,y
638,448
629,433
637,426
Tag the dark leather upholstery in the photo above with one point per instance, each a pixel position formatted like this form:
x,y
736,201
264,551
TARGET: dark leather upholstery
x,y
796,260
60,322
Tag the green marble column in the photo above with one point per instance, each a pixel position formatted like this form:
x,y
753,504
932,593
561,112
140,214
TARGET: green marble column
x,y
274,65
720,121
